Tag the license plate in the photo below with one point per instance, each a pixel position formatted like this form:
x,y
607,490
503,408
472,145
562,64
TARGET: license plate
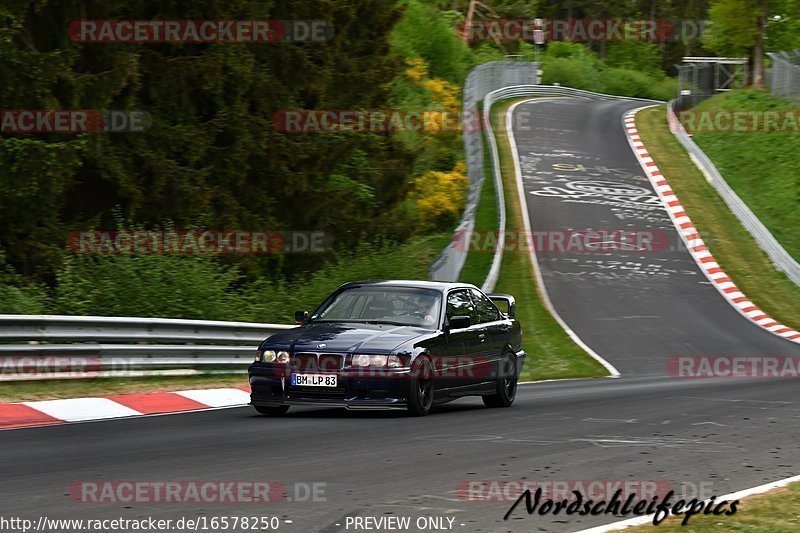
x,y
314,380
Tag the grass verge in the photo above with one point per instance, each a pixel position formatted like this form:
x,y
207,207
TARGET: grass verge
x,y
479,261
733,247
23,391
760,166
551,353
775,511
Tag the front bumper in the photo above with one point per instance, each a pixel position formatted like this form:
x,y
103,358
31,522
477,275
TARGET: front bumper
x,y
272,386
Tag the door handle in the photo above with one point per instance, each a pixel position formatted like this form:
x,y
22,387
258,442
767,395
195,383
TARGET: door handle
x,y
482,337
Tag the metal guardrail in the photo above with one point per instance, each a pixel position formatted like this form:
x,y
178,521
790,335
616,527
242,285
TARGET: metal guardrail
x,y
777,254
481,80
784,78
519,91
49,346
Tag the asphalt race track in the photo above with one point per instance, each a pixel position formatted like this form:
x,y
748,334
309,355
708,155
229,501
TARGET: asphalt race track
x,y
635,309
721,435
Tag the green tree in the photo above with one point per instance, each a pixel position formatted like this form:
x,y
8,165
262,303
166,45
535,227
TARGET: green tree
x,y
738,27
212,156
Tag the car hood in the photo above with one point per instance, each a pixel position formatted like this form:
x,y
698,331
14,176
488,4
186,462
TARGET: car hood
x,y
344,337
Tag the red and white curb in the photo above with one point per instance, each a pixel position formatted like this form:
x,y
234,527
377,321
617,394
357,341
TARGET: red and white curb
x,y
48,412
694,243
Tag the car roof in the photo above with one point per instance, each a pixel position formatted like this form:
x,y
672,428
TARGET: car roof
x,y
441,286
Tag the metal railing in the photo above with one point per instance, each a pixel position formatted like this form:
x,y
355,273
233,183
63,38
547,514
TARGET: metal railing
x,y
700,78
51,346
784,79
777,253
482,80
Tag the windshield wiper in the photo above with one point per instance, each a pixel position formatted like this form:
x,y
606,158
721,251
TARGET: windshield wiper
x,y
389,322
333,320
386,322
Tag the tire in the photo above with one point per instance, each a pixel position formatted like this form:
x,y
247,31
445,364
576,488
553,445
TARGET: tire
x,y
506,385
420,390
276,410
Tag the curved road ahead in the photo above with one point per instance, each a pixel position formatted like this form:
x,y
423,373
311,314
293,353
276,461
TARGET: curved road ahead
x,y
718,436
636,309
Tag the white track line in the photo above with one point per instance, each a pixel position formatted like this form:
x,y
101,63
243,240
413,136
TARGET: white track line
x,y
534,261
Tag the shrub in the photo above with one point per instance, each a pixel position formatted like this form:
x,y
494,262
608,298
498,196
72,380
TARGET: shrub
x,y
18,297
624,82
275,302
568,50
158,285
634,55
423,32
440,196
665,89
575,73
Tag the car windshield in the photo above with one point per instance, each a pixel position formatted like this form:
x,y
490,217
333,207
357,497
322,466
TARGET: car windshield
x,y
402,306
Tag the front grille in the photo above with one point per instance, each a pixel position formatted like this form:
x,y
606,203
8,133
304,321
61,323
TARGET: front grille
x,y
317,362
330,362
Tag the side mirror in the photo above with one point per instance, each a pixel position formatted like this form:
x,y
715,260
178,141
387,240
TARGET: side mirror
x,y
458,322
508,300
301,317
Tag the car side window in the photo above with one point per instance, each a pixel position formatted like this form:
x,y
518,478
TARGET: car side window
x,y
487,311
460,304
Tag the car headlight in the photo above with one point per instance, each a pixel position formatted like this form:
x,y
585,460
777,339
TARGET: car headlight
x,y
282,357
394,362
377,360
360,360
267,356
270,356
389,361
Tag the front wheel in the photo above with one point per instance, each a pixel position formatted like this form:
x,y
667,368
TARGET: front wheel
x,y
506,389
277,410
420,393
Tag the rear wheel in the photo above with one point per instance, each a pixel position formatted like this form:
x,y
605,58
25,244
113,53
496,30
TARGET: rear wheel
x,y
420,393
276,410
506,388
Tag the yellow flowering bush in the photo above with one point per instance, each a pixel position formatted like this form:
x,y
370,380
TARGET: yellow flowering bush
x,y
417,68
440,196
443,93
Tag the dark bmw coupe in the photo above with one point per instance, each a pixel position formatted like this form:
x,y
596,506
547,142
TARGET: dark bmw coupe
x,y
392,345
